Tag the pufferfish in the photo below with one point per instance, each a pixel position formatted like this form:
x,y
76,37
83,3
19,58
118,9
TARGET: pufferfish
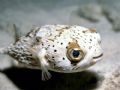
x,y
60,48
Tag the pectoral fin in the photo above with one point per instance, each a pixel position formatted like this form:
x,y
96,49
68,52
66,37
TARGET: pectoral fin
x,y
40,55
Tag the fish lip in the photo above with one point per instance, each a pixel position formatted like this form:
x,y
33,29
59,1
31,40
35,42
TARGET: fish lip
x,y
98,56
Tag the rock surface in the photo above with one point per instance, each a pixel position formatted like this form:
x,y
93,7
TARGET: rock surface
x,y
6,84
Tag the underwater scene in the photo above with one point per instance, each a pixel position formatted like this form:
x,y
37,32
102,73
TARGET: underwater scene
x,y
59,44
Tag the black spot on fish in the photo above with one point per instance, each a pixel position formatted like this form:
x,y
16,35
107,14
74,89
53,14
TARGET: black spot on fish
x,y
61,43
63,58
55,50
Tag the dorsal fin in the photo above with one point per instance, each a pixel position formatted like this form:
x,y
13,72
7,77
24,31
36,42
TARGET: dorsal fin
x,y
17,33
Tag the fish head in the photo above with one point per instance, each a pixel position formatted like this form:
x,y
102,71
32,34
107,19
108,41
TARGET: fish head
x,y
76,50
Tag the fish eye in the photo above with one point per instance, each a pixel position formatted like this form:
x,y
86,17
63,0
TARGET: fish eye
x,y
75,55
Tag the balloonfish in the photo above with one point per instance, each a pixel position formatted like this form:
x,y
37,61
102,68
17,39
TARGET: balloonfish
x,y
59,48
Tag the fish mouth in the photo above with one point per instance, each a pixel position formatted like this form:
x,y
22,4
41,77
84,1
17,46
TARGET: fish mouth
x,y
96,57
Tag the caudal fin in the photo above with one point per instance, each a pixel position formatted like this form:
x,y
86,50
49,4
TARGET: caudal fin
x,y
3,50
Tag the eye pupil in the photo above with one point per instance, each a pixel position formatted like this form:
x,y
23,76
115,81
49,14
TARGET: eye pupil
x,y
76,53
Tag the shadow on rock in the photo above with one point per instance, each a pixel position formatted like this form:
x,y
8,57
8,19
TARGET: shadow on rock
x,y
27,79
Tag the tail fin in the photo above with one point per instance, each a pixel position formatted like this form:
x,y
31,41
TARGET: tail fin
x,y
3,51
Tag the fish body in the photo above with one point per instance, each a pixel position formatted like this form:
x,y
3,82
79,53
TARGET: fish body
x,y
60,48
